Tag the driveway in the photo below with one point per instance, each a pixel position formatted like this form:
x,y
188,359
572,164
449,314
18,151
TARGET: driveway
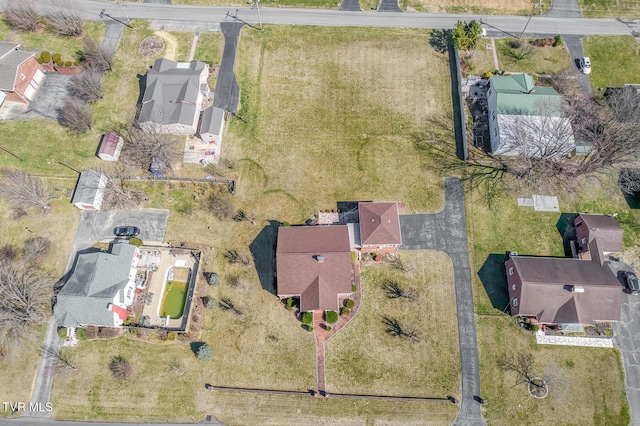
x,y
227,92
626,336
447,231
574,46
49,98
389,6
564,9
98,226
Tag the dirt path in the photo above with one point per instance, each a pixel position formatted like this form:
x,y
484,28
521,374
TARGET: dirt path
x,y
171,45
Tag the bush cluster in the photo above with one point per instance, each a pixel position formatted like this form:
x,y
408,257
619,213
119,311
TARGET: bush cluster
x,y
331,317
307,318
349,303
345,311
544,42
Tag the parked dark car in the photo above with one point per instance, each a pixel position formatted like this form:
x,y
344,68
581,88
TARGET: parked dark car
x,y
126,231
633,287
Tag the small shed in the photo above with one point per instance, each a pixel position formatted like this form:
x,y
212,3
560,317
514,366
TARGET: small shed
x,y
90,190
212,125
110,146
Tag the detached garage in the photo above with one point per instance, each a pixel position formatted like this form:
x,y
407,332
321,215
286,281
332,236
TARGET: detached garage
x,y
90,190
110,146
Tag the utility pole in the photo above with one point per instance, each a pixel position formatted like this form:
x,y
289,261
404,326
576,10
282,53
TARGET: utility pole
x,y
102,14
259,18
125,13
535,6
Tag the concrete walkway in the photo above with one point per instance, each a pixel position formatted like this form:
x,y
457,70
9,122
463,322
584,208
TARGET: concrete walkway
x,y
446,231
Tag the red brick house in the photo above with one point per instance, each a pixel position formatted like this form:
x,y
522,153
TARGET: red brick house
x,y
379,227
562,291
598,235
20,73
314,264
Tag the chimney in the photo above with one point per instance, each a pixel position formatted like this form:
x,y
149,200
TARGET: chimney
x,y
318,258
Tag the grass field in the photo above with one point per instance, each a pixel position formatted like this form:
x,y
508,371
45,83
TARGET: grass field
x,y
485,7
321,4
18,373
615,60
587,384
363,359
607,8
544,60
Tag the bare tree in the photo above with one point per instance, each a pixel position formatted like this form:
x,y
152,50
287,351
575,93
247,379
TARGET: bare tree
x,y
96,56
522,365
233,256
87,86
76,115
24,190
227,305
36,249
219,203
629,180
564,81
120,192
518,52
142,146
9,253
62,361
394,328
24,292
22,15
394,291
64,18
238,282
241,216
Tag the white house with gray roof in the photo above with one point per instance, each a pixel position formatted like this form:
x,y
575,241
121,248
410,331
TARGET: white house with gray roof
x,y
100,289
173,96
90,190
212,126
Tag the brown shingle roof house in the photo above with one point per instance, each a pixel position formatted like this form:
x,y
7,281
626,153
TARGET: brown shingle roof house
x,y
314,263
605,228
562,290
379,227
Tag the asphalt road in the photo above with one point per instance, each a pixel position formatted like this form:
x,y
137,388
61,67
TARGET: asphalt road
x,y
447,231
626,336
540,25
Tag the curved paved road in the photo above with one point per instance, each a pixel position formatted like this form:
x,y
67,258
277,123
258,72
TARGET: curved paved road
x,y
447,231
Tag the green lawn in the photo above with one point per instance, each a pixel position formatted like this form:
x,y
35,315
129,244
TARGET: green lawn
x,y
587,384
608,8
323,4
484,7
615,61
363,359
543,60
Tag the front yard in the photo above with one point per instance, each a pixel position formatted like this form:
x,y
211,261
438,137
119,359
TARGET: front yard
x,y
615,61
364,359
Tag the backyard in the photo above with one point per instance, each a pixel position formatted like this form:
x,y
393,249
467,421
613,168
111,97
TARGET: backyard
x,y
364,359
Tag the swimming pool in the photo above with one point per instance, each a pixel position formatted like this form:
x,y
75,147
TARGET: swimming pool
x,y
175,293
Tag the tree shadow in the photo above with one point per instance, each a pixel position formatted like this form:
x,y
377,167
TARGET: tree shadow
x,y
439,40
195,346
263,250
567,230
494,280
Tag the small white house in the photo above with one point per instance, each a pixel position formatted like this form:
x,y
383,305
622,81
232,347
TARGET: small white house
x,y
212,125
110,146
90,190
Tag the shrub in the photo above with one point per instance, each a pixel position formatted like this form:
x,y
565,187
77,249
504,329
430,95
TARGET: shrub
x,y
56,56
135,241
285,224
349,303
108,332
68,63
307,327
544,42
91,332
171,335
557,41
354,288
331,317
39,59
128,321
76,63
204,352
162,334
345,311
46,57
515,43
291,303
120,367
59,62
328,328
62,332
354,257
487,75
307,318
81,334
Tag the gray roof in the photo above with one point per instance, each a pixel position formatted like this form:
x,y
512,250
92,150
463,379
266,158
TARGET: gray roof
x,y
96,280
171,92
212,120
10,60
87,187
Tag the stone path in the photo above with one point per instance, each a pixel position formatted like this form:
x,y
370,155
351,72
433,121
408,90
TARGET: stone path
x,y
543,339
194,44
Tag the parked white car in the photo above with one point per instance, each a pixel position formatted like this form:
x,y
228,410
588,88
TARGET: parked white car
x,y
585,65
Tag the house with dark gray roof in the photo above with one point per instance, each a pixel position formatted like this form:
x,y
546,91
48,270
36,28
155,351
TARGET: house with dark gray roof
x,y
100,288
173,96
90,190
20,74
526,120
